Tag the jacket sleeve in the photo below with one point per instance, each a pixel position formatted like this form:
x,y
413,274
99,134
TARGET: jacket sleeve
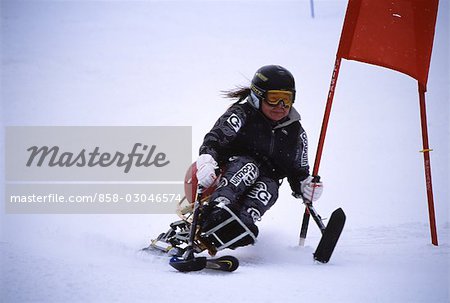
x,y
218,140
300,169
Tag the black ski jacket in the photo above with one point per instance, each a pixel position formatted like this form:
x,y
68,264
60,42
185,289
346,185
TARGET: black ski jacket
x,y
279,148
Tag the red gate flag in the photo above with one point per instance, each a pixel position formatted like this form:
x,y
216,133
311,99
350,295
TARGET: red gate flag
x,y
397,34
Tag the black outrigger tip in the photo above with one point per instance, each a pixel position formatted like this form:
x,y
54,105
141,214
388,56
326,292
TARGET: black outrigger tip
x,y
190,264
330,236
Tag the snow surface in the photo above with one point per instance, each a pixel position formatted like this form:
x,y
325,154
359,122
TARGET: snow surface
x,y
165,63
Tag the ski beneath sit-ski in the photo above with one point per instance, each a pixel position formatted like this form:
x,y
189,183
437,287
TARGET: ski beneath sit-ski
x,y
225,263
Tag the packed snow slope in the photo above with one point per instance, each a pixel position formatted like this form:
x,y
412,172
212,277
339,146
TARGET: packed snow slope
x,y
165,63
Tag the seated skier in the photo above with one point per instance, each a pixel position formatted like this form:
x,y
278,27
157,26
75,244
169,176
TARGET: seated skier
x,y
257,143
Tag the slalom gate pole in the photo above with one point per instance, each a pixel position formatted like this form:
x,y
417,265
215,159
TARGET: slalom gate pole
x,y
311,5
427,164
326,117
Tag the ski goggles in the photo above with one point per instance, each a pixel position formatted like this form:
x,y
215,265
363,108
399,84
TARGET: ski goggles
x,y
274,97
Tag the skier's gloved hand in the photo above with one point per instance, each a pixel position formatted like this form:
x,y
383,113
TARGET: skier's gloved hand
x,y
311,190
206,170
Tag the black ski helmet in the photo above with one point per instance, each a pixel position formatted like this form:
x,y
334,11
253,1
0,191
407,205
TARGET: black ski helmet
x,y
270,77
